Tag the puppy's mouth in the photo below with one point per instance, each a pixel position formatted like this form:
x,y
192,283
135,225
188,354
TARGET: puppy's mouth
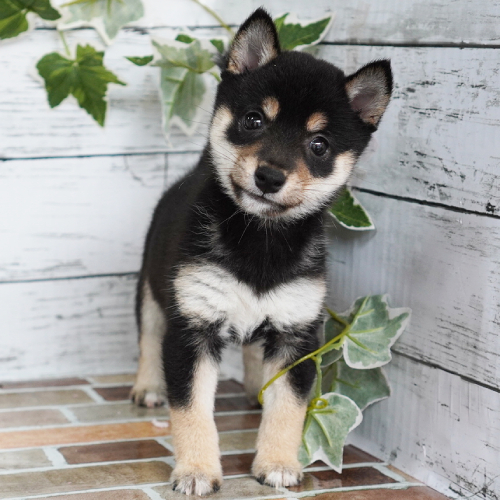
x,y
274,207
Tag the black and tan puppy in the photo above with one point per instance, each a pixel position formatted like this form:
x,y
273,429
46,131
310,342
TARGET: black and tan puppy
x,y
236,249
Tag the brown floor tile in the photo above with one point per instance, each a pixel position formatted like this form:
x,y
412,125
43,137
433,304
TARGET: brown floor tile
x,y
237,422
83,434
43,398
235,441
55,382
31,418
229,387
244,487
23,459
118,411
236,403
413,493
110,452
122,378
83,478
405,476
120,393
352,455
233,465
362,476
103,495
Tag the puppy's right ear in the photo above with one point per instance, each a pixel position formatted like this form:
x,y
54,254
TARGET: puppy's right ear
x,y
255,44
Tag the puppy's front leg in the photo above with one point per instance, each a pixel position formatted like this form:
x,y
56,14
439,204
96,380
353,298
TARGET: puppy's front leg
x,y
280,432
196,443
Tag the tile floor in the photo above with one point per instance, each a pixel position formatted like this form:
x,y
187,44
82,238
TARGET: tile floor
x,y
81,439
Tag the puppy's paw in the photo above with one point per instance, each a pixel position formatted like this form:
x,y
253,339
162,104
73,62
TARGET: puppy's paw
x,y
148,396
195,481
277,475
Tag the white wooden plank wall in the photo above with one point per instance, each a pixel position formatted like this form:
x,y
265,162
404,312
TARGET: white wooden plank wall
x,y
75,201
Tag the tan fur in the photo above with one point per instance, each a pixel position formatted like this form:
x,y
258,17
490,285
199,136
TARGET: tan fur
x,y
316,122
253,361
196,442
280,432
150,388
271,107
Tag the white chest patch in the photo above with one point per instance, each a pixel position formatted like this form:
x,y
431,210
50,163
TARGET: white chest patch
x,y
208,293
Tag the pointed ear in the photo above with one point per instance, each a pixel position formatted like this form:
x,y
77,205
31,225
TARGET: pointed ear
x,y
369,90
255,44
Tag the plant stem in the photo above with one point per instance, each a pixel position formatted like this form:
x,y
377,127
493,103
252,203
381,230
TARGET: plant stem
x,y
215,16
66,47
319,376
301,360
336,317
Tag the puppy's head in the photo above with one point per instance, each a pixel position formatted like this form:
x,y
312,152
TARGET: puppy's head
x,y
288,128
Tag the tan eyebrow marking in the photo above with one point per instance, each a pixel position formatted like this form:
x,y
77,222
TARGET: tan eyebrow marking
x,y
316,122
271,107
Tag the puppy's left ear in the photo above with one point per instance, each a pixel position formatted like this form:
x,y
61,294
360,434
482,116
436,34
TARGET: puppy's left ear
x,y
255,44
369,90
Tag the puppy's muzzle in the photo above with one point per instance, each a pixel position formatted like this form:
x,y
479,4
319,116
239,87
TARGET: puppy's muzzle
x,y
268,179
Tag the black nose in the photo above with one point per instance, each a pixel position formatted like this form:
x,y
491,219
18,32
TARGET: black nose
x,y
269,180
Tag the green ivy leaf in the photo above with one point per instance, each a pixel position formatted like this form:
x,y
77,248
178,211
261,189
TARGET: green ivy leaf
x,y
218,44
182,83
331,330
295,34
364,387
106,16
140,61
374,329
181,37
85,78
326,429
348,212
13,19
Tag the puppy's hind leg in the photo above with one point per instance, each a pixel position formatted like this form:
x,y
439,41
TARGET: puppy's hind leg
x,y
150,388
253,355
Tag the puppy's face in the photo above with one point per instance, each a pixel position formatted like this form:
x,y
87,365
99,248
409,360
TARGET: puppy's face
x,y
288,128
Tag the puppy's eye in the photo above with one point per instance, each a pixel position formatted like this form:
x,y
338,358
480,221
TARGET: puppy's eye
x,y
253,120
319,146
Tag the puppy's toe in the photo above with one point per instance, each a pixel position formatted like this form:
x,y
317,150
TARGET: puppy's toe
x,y
278,475
147,396
195,482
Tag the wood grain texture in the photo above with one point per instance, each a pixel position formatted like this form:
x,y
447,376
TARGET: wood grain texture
x,y
68,327
390,21
437,141
442,264
77,216
438,428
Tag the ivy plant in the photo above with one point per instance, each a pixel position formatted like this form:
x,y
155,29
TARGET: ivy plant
x,y
349,377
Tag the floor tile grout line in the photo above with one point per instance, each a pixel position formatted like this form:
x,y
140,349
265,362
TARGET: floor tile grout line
x,y
150,418
69,415
91,393
54,455
152,494
385,486
390,473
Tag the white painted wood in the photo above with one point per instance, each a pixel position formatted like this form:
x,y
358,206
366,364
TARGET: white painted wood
x,y
434,143
437,427
67,327
77,216
403,21
442,264
69,217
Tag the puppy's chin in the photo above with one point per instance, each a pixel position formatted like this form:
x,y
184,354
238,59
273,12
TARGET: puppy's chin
x,y
259,205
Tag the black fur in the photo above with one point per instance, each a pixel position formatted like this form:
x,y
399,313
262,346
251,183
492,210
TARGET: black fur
x,y
260,253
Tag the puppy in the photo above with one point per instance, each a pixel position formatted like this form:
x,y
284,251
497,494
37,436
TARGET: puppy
x,y
236,249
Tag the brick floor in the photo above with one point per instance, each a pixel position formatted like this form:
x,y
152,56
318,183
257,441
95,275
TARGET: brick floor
x,y
81,439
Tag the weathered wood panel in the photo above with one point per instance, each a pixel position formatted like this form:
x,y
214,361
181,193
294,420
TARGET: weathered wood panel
x,y
403,21
444,265
67,327
80,216
76,216
434,144
437,427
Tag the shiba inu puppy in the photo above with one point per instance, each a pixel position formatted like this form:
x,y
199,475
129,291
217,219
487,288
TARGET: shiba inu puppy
x,y
236,249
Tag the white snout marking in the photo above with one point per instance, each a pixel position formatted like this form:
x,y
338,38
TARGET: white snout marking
x,y
209,293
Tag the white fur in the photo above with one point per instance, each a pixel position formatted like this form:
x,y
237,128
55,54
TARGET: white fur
x,y
208,293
